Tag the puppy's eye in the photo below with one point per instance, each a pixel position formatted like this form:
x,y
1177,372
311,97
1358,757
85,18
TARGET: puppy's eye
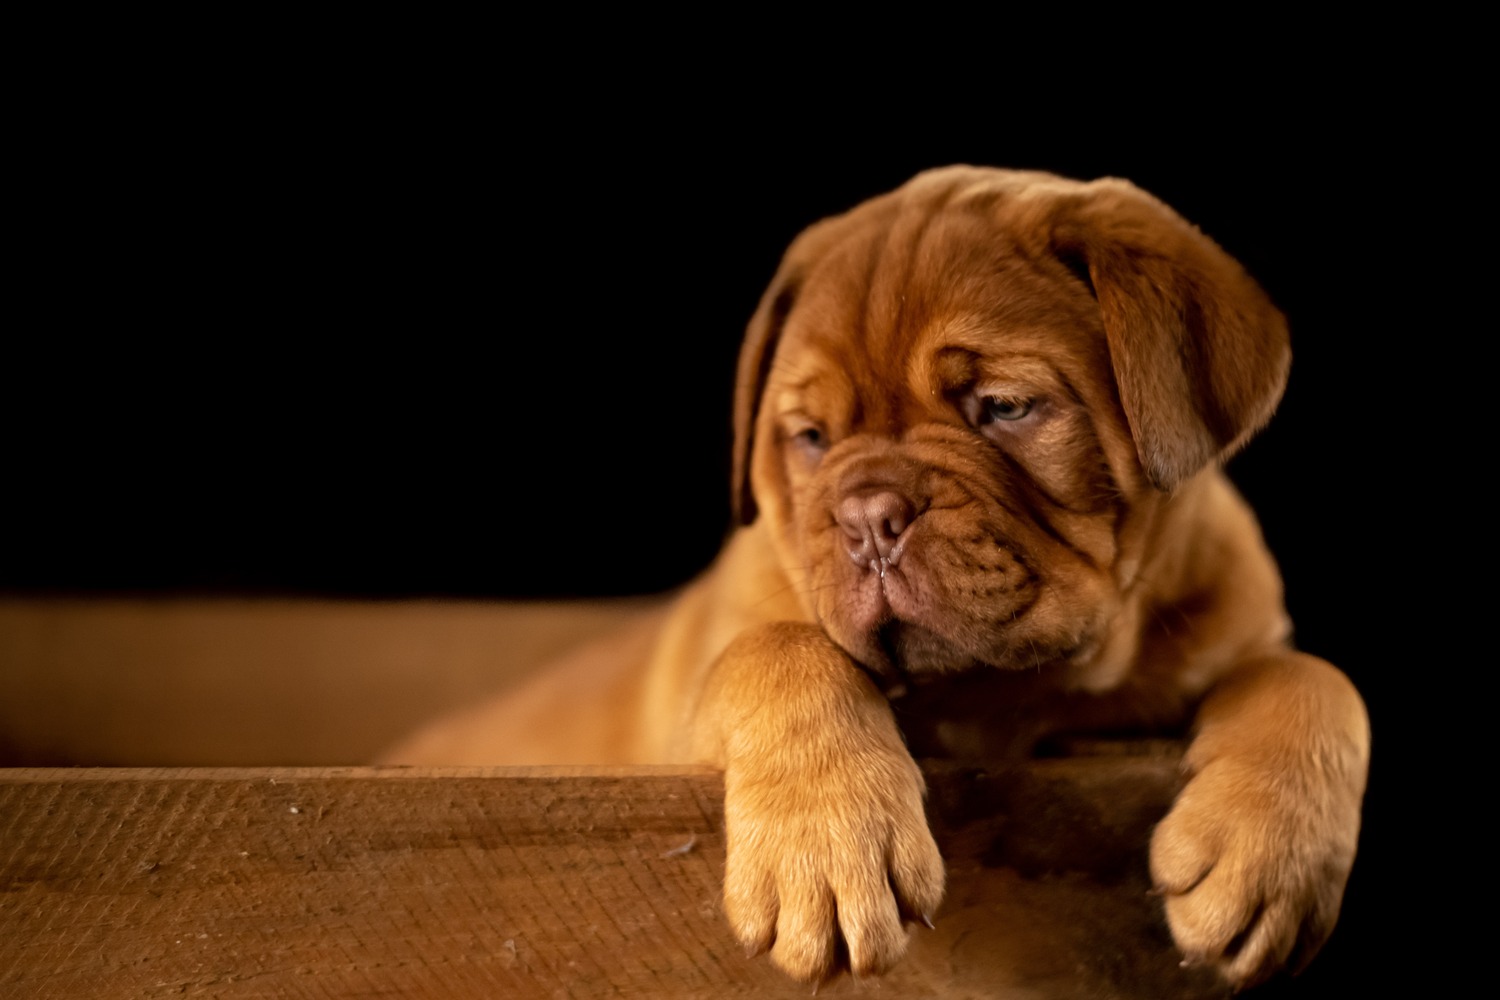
x,y
811,439
994,408
807,439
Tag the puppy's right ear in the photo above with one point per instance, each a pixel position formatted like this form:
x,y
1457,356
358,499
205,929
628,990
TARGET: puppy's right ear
x,y
759,348
1200,353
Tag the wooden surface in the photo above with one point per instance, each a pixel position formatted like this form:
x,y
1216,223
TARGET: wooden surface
x,y
238,881
540,883
230,682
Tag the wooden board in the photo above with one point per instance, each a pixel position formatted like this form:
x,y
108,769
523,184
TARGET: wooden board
x,y
540,883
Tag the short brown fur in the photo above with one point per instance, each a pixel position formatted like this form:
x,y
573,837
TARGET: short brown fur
x,y
979,428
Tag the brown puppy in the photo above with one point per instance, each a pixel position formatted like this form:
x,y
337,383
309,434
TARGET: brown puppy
x,y
978,432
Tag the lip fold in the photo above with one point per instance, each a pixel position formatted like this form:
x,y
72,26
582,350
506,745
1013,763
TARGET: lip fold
x,y
866,607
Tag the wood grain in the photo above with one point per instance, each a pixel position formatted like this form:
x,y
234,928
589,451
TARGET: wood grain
x,y
525,883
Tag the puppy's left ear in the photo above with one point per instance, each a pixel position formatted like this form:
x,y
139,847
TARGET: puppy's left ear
x,y
759,349
1200,353
761,337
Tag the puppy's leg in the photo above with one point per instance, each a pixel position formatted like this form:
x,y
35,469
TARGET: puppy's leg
x,y
1254,855
828,846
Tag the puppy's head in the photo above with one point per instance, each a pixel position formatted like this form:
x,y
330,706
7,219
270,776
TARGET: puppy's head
x,y
958,402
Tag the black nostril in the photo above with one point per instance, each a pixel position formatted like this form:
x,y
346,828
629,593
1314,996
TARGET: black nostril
x,y
872,521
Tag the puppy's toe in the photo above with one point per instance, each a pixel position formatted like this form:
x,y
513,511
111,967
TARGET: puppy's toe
x,y
806,945
871,926
750,904
1211,915
1264,947
917,873
1212,892
1184,848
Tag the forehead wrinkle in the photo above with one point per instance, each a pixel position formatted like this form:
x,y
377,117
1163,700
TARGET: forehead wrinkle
x,y
796,374
909,264
815,382
988,340
997,297
983,265
924,373
1024,361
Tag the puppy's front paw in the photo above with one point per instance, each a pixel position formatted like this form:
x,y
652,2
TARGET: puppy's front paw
x,y
1253,857
828,847
826,864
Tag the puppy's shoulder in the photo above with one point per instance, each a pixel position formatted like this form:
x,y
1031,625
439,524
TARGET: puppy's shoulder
x,y
1211,592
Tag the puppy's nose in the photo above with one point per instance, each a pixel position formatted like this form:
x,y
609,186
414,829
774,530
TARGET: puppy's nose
x,y
872,521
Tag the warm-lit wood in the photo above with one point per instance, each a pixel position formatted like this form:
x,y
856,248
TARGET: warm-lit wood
x,y
539,883
122,681
352,882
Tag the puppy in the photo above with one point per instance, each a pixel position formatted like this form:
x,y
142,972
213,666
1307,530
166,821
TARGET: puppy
x,y
979,428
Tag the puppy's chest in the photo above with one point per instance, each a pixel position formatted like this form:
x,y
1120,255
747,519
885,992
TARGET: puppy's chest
x,y
977,715
995,716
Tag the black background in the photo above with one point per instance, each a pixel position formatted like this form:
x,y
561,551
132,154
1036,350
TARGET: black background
x,y
387,340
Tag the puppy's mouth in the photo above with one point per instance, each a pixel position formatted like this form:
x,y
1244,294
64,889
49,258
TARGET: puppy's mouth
x,y
916,591
883,621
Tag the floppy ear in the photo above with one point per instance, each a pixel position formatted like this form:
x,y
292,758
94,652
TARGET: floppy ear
x,y
761,337
1200,354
